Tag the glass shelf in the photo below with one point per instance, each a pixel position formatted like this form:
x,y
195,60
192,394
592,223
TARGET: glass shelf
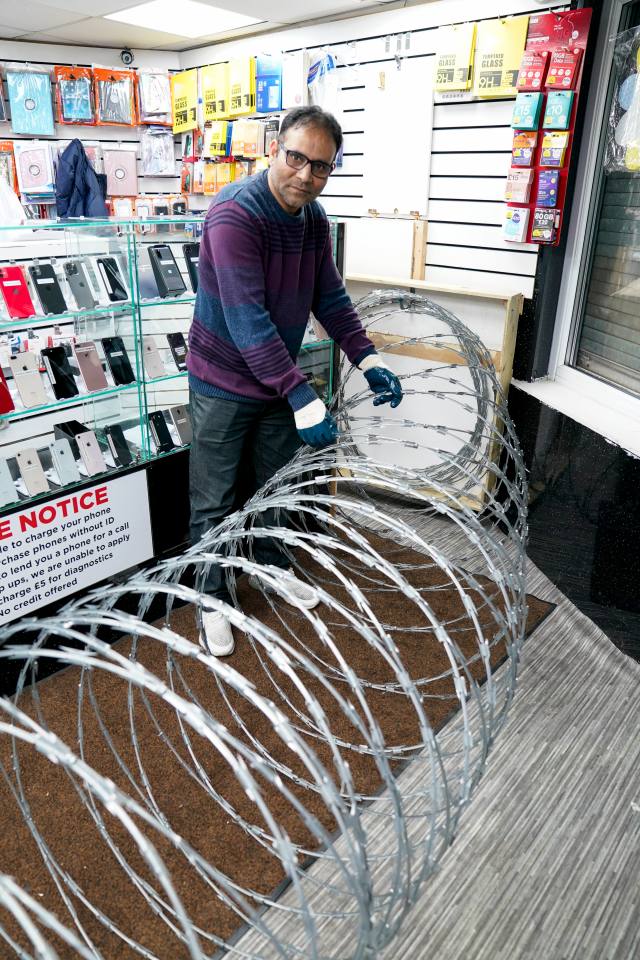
x,y
37,321
167,301
179,374
79,399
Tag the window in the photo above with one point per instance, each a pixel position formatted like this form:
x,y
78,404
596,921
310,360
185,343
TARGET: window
x,y
605,337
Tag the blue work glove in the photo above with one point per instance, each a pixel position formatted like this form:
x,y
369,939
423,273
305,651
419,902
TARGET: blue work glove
x,y
315,425
382,381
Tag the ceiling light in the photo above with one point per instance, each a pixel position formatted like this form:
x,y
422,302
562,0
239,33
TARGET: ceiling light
x,y
184,19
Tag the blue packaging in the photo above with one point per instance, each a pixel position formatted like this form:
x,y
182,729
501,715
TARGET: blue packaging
x,y
30,101
548,181
268,83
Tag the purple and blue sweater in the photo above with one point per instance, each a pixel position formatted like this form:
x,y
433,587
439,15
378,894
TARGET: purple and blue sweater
x,y
261,272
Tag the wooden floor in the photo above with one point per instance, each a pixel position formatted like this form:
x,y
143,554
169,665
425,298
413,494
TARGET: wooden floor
x,y
546,864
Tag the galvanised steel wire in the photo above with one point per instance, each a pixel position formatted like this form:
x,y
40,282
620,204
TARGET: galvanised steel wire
x,y
423,506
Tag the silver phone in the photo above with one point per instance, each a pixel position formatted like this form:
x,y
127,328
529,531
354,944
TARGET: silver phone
x,y
64,462
91,453
182,422
8,491
153,364
31,471
27,379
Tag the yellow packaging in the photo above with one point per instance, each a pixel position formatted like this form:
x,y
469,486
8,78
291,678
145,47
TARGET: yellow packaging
x,y
499,48
184,100
214,84
454,57
253,138
225,173
242,86
215,139
209,180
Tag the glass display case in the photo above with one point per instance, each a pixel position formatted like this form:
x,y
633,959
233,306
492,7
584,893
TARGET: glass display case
x,y
94,324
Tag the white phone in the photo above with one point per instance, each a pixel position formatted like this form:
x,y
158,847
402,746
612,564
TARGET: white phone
x,y
64,462
8,491
153,364
31,471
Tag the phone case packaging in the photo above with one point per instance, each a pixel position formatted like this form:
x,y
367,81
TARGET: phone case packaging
x,y
30,101
120,167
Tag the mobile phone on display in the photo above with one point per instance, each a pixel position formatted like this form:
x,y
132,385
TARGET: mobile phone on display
x,y
15,293
91,453
31,471
6,400
118,445
161,209
191,256
69,430
64,461
153,363
76,274
8,491
182,422
59,372
112,279
47,287
178,349
90,366
118,360
160,432
27,379
166,271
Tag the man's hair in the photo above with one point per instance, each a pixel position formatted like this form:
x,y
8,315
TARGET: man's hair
x,y
312,117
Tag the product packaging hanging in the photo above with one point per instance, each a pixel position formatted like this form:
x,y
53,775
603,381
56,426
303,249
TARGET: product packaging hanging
x,y
295,73
120,167
34,166
3,111
157,152
74,94
30,102
242,86
455,47
184,100
214,85
154,97
499,50
215,139
8,165
622,153
114,96
268,83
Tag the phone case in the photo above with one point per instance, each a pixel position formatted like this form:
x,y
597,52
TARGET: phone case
x,y
15,293
160,432
178,349
166,271
112,279
75,272
59,371
6,400
8,491
182,422
91,453
118,445
31,471
45,283
191,256
90,366
64,462
153,365
118,360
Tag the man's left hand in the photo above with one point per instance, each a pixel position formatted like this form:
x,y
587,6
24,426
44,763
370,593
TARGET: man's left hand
x,y
382,381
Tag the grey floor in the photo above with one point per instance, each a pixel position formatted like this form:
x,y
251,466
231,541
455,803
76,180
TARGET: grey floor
x,y
547,858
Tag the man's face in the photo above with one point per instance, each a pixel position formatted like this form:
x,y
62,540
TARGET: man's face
x,y
293,188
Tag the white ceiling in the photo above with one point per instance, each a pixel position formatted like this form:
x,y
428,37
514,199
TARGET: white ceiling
x,y
80,21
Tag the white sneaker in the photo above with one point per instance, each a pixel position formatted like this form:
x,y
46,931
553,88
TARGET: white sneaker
x,y
216,636
306,596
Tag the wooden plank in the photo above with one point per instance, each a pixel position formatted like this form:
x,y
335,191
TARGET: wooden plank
x,y
419,250
426,285
441,353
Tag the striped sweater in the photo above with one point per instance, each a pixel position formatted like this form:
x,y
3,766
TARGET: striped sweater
x,y
261,272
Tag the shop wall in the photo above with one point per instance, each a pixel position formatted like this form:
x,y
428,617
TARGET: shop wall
x,y
44,54
470,146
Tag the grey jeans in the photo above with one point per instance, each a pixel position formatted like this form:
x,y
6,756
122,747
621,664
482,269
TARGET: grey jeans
x,y
237,446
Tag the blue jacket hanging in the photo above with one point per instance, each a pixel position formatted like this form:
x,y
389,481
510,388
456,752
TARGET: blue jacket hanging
x,y
80,191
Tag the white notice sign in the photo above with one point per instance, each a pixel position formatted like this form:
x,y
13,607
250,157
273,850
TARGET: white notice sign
x,y
67,544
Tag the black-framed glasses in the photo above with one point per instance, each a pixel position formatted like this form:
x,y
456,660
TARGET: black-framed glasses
x,y
298,161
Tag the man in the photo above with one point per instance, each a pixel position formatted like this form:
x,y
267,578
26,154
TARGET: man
x,y
265,264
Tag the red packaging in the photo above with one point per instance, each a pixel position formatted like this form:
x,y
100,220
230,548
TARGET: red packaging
x,y
6,401
563,69
533,70
15,293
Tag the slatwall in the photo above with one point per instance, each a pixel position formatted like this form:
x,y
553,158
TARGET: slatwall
x,y
471,145
47,56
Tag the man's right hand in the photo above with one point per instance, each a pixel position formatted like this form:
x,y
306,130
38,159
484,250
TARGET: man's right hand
x,y
315,425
